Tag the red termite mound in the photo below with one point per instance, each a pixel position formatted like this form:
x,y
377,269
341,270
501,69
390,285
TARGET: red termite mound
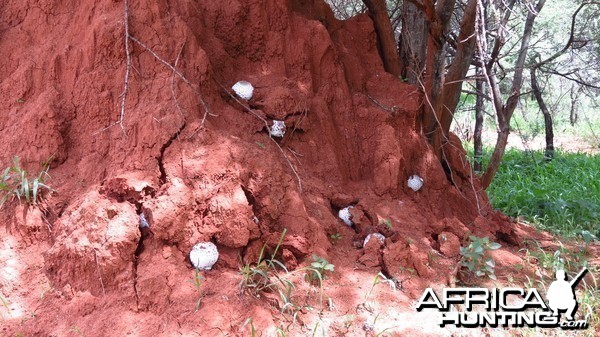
x,y
199,165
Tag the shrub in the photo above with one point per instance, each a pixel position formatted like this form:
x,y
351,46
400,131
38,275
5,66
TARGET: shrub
x,y
318,269
15,183
475,257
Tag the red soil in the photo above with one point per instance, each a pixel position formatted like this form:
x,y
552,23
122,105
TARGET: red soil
x,y
73,269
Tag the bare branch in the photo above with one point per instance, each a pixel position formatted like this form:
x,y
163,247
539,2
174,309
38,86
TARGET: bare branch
x,y
571,37
127,72
247,108
571,78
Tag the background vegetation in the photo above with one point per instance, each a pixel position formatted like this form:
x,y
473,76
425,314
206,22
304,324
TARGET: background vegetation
x,y
563,57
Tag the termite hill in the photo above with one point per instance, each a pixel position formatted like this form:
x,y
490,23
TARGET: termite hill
x,y
200,166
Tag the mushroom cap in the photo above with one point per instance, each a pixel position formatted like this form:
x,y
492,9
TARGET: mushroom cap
x,y
204,255
415,182
243,89
345,215
377,236
277,129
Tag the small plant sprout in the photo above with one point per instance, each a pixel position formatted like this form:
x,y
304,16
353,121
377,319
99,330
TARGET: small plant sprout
x,y
257,277
76,330
380,278
269,276
386,222
197,281
250,322
15,184
318,269
4,302
335,238
475,256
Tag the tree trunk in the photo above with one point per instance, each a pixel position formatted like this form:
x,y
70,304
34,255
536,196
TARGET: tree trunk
x,y
458,69
496,158
549,152
477,143
574,98
447,101
438,15
412,45
385,35
505,112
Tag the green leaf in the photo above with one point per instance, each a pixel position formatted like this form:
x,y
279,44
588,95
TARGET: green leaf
x,y
5,175
494,246
3,200
46,187
35,190
25,187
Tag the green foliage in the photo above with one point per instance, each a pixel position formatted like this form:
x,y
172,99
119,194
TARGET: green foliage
x,y
15,183
475,256
571,259
318,270
335,238
255,278
197,281
380,278
270,276
562,195
386,222
249,321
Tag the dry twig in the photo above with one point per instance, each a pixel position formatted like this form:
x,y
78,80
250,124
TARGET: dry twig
x,y
173,68
99,273
247,108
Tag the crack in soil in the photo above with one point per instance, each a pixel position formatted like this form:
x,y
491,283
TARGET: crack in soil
x,y
145,232
135,289
161,166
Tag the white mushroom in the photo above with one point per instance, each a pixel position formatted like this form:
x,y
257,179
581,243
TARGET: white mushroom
x,y
345,215
204,255
243,89
415,182
277,129
377,236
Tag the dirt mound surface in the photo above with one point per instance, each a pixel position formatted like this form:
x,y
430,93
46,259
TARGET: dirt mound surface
x,y
197,163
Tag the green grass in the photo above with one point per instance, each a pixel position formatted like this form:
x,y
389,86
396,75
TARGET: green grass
x,y
15,183
561,196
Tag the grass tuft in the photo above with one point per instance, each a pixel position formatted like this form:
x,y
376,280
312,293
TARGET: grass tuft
x,y
15,183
